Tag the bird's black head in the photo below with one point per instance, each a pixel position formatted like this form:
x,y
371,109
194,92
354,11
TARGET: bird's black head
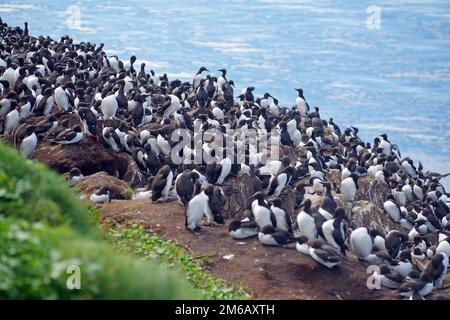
x,y
391,197
306,204
277,202
234,225
75,172
202,69
209,190
258,196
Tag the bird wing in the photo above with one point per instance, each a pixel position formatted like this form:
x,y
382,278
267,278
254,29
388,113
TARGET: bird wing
x,y
327,254
273,219
159,184
338,237
66,135
281,237
288,221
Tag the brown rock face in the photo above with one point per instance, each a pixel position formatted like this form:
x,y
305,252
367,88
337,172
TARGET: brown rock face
x,y
334,177
372,190
90,157
238,191
92,183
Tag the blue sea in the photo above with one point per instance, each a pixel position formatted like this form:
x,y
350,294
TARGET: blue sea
x,y
382,66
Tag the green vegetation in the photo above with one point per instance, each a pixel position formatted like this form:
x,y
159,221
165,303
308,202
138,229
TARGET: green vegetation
x,y
28,190
151,246
44,230
127,194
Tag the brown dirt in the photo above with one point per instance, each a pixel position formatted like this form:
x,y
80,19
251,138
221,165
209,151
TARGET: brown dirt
x,y
266,272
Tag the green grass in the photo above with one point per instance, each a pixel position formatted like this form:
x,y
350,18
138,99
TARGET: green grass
x,y
34,260
44,229
30,191
151,246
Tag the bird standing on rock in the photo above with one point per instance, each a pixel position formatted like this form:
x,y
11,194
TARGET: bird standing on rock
x,y
348,187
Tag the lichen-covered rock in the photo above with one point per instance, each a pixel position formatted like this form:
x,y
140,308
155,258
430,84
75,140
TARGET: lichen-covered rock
x,y
372,190
335,178
238,191
366,214
291,153
118,188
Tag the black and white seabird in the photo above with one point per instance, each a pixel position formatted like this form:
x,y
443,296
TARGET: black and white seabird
x,y
161,184
101,195
299,195
111,138
198,77
281,180
262,212
270,236
184,185
348,187
196,208
283,219
405,265
394,242
388,277
323,253
437,268
305,222
392,208
243,229
361,242
109,106
301,104
215,205
29,143
328,204
75,176
70,136
333,231
422,286
89,120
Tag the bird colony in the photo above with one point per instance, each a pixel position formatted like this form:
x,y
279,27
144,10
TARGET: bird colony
x,y
115,101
